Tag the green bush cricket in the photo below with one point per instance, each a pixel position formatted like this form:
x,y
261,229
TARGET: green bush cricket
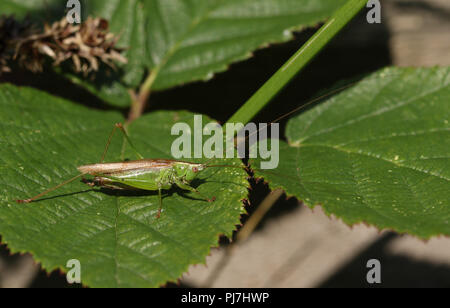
x,y
142,174
149,174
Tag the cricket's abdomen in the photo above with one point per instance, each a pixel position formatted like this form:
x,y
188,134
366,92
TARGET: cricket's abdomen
x,y
148,180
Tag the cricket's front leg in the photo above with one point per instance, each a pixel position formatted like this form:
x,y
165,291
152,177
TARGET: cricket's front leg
x,y
186,186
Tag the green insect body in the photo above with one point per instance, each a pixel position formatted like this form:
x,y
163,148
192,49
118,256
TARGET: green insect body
x,y
147,174
143,174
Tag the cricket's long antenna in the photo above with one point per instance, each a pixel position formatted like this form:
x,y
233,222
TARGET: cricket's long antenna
x,y
315,100
51,189
294,111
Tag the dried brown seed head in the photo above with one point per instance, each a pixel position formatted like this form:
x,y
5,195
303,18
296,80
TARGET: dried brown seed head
x,y
86,45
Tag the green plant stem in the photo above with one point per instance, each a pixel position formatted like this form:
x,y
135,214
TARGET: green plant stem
x,y
139,101
294,65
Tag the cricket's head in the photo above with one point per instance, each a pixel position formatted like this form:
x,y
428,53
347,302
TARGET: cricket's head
x,y
188,171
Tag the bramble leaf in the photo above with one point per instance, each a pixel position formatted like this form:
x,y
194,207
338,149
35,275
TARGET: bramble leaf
x,y
114,235
377,153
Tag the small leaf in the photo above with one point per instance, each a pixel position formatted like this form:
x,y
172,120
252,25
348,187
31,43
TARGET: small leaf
x,y
377,153
114,235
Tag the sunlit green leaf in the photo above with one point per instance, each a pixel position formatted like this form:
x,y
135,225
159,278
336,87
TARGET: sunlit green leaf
x,y
377,153
114,235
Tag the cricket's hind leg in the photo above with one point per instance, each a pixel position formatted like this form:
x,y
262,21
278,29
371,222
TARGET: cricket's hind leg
x,y
108,143
50,190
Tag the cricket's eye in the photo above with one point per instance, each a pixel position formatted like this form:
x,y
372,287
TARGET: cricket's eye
x,y
195,169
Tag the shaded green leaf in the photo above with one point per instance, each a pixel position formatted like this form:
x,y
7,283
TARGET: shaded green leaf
x,y
182,41
114,235
187,40
377,153
105,84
